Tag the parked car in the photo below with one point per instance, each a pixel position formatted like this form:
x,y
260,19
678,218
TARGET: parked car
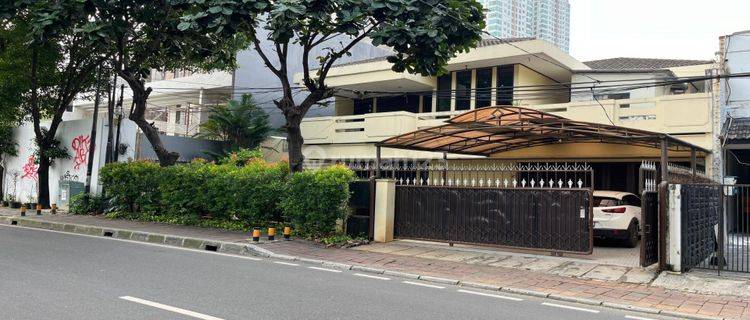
x,y
617,216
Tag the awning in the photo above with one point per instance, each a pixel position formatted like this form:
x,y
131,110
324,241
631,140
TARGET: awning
x,y
494,130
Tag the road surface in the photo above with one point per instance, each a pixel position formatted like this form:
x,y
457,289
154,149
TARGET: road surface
x,y
52,275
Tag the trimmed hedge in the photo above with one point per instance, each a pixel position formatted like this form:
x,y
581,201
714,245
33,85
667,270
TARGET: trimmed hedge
x,y
256,193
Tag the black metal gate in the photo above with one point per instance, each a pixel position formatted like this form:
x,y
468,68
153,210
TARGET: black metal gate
x,y
534,218
650,228
361,202
701,211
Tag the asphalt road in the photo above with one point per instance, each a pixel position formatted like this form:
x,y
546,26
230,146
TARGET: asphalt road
x,y
51,275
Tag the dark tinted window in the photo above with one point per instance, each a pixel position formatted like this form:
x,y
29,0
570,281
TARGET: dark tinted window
x,y
362,106
427,102
463,90
505,85
631,201
409,103
484,87
444,93
605,202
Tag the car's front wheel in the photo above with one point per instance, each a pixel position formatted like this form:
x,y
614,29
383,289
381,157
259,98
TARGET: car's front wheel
x,y
632,240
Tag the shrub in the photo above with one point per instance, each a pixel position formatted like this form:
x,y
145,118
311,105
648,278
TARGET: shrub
x,y
86,204
133,186
242,157
258,188
315,200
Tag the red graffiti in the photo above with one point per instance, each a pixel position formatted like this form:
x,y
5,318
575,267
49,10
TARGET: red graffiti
x,y
81,147
30,169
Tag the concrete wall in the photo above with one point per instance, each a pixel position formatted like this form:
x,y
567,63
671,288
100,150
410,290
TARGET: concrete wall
x,y
524,77
736,91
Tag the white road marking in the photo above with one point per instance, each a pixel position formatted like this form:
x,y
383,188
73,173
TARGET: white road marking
x,y
490,295
371,276
325,269
423,284
170,308
136,242
569,307
638,318
286,263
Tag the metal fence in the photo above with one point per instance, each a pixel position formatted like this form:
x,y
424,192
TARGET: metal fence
x,y
551,219
701,212
650,228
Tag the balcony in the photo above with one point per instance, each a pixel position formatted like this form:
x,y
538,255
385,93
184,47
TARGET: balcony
x,y
686,115
367,128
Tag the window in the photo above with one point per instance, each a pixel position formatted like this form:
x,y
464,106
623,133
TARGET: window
x,y
484,87
613,96
463,90
444,93
178,117
409,103
631,200
605,202
505,85
427,102
362,106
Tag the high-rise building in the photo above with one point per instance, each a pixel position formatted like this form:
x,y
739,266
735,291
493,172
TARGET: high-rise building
x,y
543,19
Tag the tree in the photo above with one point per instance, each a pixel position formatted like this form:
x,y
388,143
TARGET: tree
x,y
241,123
144,36
43,38
424,35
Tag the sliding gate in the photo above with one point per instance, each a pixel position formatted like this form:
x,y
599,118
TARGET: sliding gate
x,y
531,206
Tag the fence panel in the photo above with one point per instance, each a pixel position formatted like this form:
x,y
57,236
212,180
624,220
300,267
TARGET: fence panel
x,y
552,219
650,227
701,206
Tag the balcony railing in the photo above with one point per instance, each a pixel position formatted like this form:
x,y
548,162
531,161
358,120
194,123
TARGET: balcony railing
x,y
674,114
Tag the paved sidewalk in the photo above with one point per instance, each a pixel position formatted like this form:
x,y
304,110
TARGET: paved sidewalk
x,y
640,297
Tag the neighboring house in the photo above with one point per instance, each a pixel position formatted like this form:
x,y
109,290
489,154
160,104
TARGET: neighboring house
x,y
375,103
542,19
734,99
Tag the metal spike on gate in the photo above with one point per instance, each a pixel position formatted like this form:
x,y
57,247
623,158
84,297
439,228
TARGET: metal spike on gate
x,y
570,183
580,183
532,182
473,182
541,183
481,183
560,183
515,182
523,183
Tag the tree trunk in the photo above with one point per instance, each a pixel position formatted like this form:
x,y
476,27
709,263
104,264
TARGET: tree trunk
x,y
140,95
295,142
43,176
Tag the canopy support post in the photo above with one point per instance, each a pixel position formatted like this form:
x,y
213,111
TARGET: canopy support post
x,y
377,162
693,160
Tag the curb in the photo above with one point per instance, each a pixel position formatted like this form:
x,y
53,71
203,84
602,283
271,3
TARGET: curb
x,y
249,249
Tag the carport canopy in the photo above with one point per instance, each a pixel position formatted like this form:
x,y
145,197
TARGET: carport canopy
x,y
493,130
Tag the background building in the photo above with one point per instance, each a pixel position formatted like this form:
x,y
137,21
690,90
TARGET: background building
x,y
543,19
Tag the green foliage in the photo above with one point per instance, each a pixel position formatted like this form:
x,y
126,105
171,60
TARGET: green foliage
x,y
317,199
8,146
243,124
241,157
53,151
228,195
86,204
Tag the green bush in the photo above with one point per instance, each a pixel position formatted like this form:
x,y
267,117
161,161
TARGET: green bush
x,y
133,186
228,196
86,204
315,200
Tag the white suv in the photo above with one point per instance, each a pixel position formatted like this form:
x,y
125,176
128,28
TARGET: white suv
x,y
617,216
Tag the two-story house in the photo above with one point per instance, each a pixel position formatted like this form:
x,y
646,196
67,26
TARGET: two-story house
x,y
374,103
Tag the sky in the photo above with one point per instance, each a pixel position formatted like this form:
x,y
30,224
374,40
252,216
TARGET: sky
x,y
679,29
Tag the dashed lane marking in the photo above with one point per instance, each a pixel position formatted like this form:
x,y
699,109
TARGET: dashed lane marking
x,y
555,305
423,284
490,295
325,269
286,263
371,276
170,308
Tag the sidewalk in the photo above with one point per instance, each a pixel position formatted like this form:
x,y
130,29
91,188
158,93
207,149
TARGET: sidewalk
x,y
641,297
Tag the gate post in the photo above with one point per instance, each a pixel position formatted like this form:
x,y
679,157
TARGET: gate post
x,y
674,214
385,207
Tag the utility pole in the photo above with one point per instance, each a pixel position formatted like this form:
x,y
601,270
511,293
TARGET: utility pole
x,y
116,154
92,136
110,119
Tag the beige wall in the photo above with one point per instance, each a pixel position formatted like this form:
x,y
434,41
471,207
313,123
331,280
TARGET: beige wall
x,y
523,77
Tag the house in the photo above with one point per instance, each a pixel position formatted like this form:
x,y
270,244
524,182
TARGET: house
x,y
734,99
375,103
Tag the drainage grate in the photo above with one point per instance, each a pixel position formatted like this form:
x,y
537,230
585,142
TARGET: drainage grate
x,y
13,223
209,247
108,233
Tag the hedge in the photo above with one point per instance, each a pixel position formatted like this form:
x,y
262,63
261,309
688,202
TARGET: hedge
x,y
255,193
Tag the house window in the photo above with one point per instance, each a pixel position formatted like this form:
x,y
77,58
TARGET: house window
x,y
362,106
444,93
613,96
505,85
178,117
408,103
463,90
427,102
484,87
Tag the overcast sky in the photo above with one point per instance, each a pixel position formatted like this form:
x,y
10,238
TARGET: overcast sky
x,y
684,29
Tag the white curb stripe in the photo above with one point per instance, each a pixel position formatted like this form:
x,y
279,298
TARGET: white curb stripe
x,y
569,307
325,269
638,318
286,263
423,284
490,295
371,276
170,308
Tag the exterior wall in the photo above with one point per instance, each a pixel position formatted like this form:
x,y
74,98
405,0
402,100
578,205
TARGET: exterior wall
x,y
73,135
735,92
621,79
524,76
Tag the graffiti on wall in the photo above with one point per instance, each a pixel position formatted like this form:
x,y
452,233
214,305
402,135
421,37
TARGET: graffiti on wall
x,y
30,169
80,146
